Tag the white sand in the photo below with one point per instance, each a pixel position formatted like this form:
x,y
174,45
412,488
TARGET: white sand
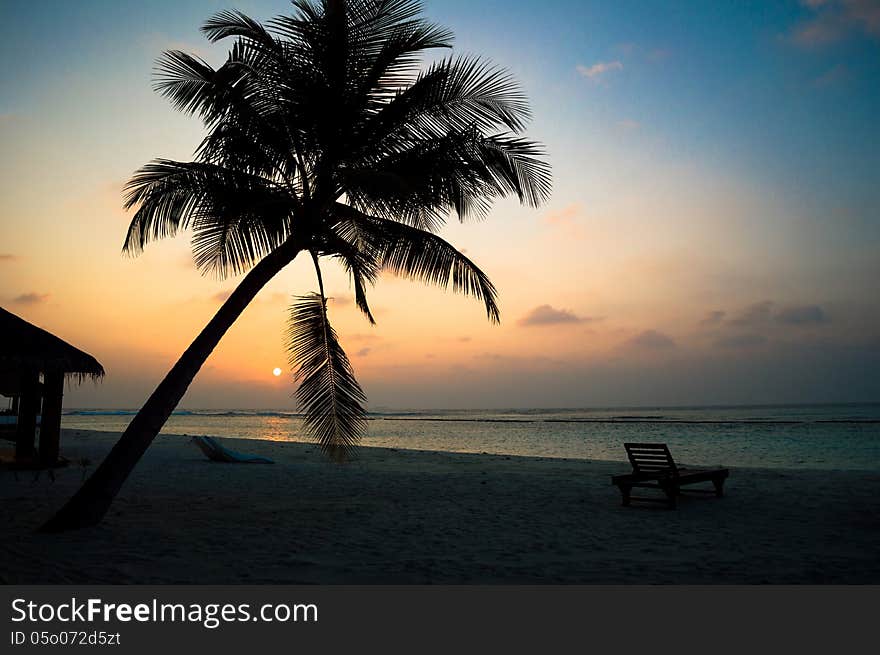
x,y
397,516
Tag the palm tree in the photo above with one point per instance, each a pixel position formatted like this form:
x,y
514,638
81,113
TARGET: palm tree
x,y
326,135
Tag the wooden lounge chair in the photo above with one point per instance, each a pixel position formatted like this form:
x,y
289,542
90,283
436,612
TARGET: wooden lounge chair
x,y
654,468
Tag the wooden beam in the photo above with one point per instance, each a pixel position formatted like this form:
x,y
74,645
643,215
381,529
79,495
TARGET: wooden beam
x,y
50,423
28,408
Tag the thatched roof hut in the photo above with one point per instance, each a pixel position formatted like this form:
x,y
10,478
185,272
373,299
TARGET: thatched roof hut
x,y
24,346
33,367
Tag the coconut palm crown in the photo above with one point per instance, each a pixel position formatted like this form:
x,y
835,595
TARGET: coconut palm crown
x,y
327,134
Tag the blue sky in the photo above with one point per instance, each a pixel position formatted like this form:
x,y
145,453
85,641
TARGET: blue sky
x,y
710,159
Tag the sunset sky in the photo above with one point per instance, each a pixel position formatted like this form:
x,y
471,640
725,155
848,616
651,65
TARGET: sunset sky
x,y
713,235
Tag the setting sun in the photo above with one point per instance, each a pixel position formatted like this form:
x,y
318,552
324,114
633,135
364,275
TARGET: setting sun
x,y
276,372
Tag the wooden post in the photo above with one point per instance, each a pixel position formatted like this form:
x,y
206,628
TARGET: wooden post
x,y
28,408
50,423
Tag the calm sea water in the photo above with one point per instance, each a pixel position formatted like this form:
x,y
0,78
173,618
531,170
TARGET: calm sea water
x,y
822,436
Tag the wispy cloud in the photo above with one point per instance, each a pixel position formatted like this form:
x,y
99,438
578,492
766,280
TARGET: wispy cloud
x,y
340,299
221,296
834,20
737,341
6,257
713,318
836,76
765,313
755,314
652,340
628,125
659,54
277,297
565,219
802,315
546,315
31,298
598,70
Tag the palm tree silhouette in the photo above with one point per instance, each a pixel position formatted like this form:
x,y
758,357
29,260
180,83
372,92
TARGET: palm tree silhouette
x,y
325,136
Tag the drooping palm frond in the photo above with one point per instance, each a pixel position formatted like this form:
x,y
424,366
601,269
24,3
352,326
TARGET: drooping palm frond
x,y
415,254
362,268
329,395
237,218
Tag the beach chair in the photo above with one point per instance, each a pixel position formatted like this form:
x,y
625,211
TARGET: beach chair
x,y
217,453
654,468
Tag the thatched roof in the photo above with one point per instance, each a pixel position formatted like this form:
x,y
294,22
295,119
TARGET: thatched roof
x,y
24,346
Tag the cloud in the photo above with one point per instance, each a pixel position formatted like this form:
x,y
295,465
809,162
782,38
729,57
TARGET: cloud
x,y
652,340
836,76
464,339
741,341
755,314
547,315
31,298
763,313
363,352
221,296
802,315
628,125
659,54
564,219
598,70
713,318
277,297
340,299
6,257
834,20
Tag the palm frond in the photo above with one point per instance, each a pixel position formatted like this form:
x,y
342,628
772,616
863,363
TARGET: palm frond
x,y
417,255
460,171
329,395
453,94
237,218
362,268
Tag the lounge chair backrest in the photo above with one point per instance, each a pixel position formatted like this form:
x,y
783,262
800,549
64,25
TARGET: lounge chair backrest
x,y
650,457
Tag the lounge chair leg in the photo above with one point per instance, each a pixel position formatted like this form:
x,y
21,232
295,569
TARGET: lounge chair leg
x,y
719,487
625,491
671,492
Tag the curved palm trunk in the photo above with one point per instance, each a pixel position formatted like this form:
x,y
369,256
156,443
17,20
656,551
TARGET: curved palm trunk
x,y
91,502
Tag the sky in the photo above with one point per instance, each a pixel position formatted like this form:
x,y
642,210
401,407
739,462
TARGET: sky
x,y
713,235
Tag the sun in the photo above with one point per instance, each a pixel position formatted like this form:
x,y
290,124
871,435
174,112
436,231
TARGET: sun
x,y
276,372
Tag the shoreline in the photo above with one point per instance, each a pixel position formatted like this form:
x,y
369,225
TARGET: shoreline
x,y
400,516
622,462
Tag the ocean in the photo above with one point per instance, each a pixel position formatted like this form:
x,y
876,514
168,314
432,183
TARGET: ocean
x,y
796,436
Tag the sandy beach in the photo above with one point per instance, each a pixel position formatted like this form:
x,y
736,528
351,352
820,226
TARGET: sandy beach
x,y
398,516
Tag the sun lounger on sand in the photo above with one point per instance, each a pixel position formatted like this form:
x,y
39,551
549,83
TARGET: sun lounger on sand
x,y
217,453
654,468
